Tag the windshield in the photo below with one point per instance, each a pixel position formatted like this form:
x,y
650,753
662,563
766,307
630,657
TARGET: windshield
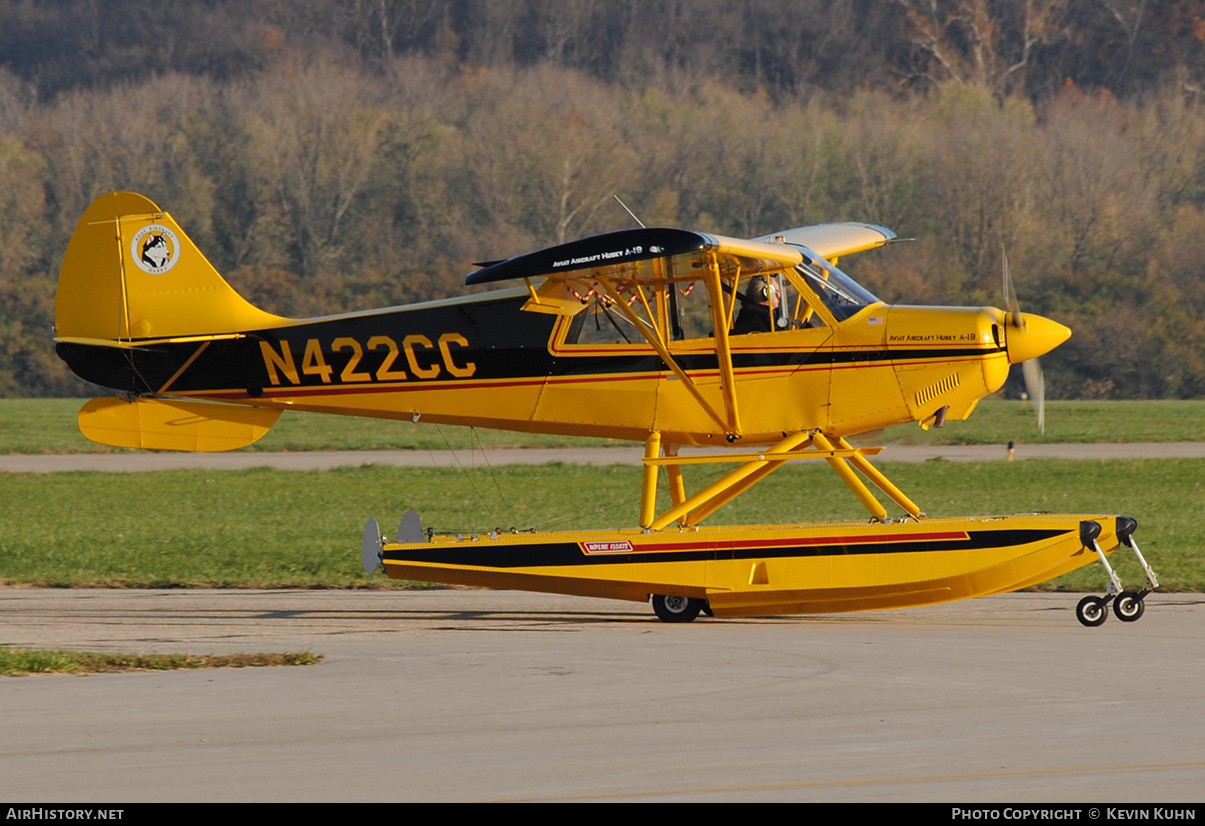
x,y
841,294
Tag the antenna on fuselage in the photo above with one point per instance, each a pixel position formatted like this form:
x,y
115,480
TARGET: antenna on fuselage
x,y
629,212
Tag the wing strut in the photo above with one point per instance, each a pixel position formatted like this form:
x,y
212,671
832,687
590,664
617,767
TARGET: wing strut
x,y
653,336
722,320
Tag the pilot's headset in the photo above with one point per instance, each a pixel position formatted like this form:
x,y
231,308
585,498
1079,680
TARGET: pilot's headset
x,y
761,290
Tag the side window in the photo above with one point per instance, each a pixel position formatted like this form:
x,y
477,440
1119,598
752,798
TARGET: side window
x,y
602,323
693,307
687,308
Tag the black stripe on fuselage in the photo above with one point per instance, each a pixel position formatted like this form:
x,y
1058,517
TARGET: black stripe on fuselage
x,y
499,341
570,553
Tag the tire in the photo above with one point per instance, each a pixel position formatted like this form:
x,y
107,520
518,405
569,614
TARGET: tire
x,y
676,609
1092,611
1128,606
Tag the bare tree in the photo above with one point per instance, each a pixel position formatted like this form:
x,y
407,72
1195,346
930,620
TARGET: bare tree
x,y
981,42
317,137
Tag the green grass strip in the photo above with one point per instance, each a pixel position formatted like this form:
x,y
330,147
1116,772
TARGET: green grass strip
x,y
273,528
20,662
49,426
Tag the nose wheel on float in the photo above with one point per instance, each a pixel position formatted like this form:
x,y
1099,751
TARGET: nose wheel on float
x,y
1127,605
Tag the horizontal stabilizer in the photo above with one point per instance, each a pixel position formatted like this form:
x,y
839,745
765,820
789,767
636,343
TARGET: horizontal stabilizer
x,y
161,424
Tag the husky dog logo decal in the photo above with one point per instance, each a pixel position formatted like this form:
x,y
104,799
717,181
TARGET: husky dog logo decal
x,y
155,249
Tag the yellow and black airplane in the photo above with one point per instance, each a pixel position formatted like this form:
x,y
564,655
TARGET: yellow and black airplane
x,y
747,352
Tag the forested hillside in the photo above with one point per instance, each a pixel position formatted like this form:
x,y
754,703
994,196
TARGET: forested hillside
x,y
341,155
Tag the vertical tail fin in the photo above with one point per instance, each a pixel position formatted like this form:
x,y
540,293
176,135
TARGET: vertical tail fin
x,y
131,277
131,273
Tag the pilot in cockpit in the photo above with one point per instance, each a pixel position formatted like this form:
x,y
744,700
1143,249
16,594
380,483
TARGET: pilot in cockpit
x,y
758,310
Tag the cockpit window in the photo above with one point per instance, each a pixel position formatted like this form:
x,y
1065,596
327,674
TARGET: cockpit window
x,y
841,294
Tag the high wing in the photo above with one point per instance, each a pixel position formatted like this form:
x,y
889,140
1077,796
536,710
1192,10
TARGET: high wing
x,y
834,240
630,255
632,251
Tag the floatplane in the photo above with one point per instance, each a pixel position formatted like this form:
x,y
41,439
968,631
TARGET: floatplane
x,y
751,353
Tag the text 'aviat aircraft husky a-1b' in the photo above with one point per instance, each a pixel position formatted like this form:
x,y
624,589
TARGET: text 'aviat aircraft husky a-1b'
x,y
760,352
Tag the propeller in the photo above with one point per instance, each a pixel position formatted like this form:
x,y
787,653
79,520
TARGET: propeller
x,y
1035,385
1029,336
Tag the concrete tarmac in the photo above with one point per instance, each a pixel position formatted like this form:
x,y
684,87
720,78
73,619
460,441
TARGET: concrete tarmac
x,y
466,695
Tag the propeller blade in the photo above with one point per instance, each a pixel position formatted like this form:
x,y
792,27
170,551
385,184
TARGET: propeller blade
x,y
1010,294
1045,336
1035,385
1004,273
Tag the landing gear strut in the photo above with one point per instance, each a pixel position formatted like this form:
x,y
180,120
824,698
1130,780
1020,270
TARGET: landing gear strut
x,y
1127,605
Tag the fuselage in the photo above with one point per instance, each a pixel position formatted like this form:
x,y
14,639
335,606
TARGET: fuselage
x,y
489,361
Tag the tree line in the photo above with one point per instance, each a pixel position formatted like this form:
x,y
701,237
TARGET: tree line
x,y
322,181
1016,47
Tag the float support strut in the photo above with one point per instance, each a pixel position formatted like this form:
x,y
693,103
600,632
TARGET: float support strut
x,y
648,491
851,479
727,487
882,482
677,487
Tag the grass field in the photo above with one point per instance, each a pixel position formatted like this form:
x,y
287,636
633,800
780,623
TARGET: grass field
x,y
48,426
272,528
998,422
19,662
